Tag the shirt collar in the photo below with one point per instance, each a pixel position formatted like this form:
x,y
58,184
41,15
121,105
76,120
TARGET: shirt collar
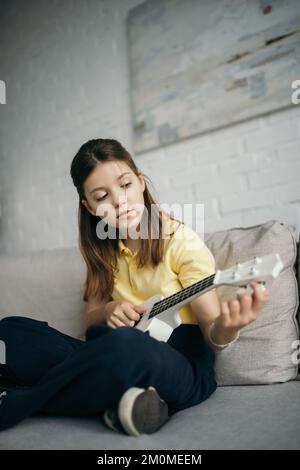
x,y
123,248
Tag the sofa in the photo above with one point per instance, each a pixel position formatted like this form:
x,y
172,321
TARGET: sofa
x,y
257,402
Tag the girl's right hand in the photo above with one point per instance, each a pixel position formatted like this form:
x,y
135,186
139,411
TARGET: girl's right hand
x,y
122,313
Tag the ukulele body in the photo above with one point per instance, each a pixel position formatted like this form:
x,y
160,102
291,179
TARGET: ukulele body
x,y
161,326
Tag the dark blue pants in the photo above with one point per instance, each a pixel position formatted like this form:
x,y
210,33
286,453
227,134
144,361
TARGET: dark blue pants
x,y
54,373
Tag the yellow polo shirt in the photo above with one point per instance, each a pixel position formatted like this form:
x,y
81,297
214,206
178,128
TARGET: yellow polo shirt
x,y
186,260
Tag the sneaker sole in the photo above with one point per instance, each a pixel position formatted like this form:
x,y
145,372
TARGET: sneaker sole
x,y
125,411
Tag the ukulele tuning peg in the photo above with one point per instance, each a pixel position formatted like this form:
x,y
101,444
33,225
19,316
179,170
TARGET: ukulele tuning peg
x,y
235,275
253,271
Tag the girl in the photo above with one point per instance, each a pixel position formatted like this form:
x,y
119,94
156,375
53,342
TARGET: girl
x,y
133,250
122,272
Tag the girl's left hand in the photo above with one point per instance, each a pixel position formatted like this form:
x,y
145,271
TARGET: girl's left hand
x,y
238,313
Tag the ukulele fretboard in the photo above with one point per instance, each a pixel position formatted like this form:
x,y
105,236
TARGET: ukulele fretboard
x,y
182,295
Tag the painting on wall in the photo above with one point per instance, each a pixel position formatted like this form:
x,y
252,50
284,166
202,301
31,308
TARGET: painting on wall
x,y
198,65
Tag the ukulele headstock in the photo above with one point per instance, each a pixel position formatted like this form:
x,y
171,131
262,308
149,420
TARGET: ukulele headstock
x,y
260,269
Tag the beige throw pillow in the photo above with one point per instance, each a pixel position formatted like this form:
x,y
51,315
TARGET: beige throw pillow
x,y
263,353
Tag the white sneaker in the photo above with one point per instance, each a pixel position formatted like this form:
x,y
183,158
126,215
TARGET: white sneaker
x,y
140,411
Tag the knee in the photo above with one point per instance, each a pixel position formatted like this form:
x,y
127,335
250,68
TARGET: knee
x,y
127,341
32,347
131,350
17,320
126,333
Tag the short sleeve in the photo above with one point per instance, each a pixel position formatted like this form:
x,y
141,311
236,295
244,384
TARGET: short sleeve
x,y
192,259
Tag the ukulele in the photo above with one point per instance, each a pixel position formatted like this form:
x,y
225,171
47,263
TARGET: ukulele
x,y
162,314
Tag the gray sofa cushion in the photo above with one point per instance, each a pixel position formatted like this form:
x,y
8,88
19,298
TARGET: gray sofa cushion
x,y
45,285
240,417
263,353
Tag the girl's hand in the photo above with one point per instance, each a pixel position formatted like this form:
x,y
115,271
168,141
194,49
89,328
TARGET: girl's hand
x,y
238,313
122,313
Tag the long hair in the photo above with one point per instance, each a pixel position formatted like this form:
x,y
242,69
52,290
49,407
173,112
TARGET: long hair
x,y
100,254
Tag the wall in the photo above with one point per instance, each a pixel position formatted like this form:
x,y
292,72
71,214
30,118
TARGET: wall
x,y
66,72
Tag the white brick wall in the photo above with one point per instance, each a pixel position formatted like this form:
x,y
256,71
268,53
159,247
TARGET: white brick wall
x,y
66,72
